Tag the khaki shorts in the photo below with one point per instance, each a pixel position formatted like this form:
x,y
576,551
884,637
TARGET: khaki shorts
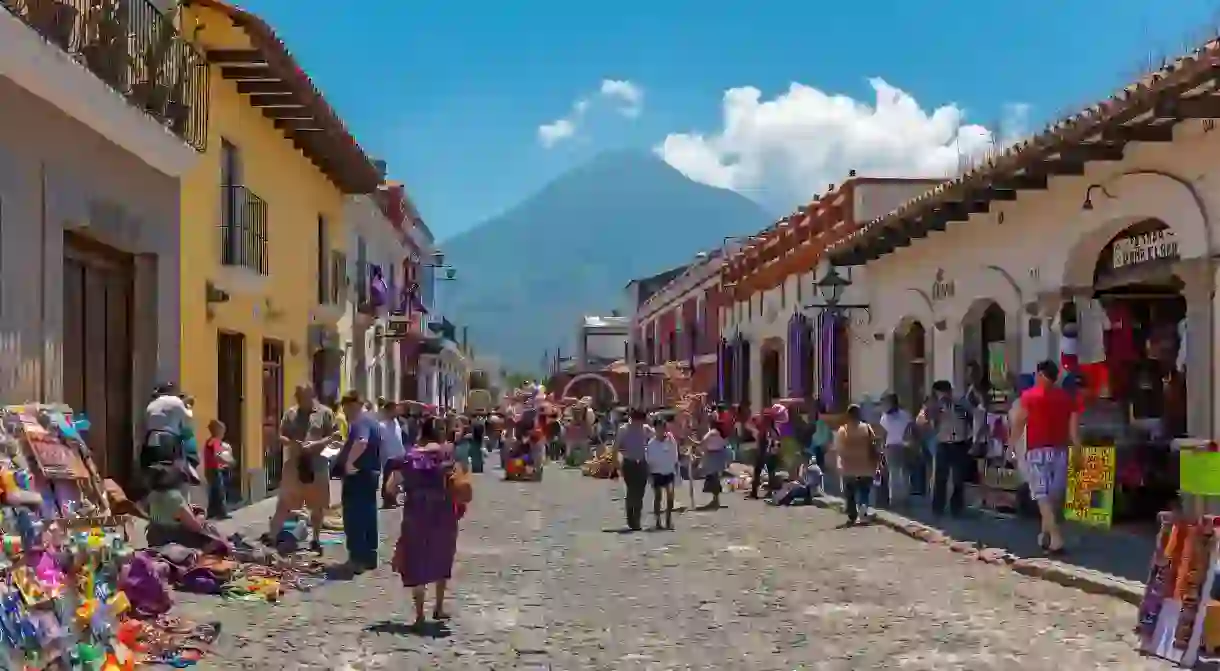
x,y
296,495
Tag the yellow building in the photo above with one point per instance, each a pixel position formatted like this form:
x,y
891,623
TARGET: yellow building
x,y
263,265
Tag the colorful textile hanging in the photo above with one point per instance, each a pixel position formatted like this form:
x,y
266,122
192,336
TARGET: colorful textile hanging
x,y
379,292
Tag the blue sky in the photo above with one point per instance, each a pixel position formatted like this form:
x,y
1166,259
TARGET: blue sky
x,y
451,94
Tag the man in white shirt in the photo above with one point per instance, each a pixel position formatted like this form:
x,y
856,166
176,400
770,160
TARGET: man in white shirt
x,y
391,446
897,427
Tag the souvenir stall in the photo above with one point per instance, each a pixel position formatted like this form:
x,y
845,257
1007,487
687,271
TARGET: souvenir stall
x,y
996,481
73,592
1126,352
1179,616
528,412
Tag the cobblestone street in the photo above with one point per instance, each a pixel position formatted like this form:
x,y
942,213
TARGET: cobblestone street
x,y
545,580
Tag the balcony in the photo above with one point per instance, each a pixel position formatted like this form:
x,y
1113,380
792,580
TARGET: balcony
x,y
243,230
136,50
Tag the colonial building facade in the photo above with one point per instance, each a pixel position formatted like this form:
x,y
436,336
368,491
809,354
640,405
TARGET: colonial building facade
x,y
264,277
1096,232
92,154
675,329
779,340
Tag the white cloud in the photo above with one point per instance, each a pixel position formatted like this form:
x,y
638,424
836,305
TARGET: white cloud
x,y
785,150
627,97
551,134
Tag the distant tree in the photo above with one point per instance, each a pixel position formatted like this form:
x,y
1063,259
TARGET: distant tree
x,y
478,380
514,379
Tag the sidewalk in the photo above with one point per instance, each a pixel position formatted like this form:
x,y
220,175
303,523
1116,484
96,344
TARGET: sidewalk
x,y
1114,562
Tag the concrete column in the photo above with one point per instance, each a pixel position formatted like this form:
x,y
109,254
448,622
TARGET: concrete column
x,y
943,352
1199,277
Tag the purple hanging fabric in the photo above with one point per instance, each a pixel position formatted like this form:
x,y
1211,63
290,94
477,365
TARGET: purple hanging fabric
x,y
830,351
378,291
789,355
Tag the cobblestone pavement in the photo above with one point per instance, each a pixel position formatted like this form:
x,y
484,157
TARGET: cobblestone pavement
x,y
546,581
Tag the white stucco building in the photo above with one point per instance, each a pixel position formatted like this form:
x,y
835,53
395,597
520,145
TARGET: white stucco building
x,y
377,264
1112,206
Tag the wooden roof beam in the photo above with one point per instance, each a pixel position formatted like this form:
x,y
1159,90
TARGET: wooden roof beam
x,y
261,73
1141,133
1062,167
237,57
1092,151
279,87
1023,182
1205,106
263,100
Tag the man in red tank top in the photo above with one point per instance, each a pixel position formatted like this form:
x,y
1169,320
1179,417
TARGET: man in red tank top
x,y
1048,417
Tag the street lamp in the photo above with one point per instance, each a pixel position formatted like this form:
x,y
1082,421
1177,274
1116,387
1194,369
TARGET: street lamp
x,y
831,288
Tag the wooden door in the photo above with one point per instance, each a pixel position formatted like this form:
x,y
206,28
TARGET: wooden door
x,y
273,408
231,401
97,350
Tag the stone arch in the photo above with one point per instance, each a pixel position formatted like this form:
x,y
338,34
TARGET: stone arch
x,y
771,365
970,336
910,352
1118,203
590,376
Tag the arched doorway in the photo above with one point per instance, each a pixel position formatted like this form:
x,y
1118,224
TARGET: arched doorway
x,y
910,372
1131,342
593,385
772,365
985,352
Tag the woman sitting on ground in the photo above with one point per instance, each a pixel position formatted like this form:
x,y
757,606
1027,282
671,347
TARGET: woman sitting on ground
x,y
172,519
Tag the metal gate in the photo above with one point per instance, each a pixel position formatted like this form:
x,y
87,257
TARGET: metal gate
x,y
273,407
230,403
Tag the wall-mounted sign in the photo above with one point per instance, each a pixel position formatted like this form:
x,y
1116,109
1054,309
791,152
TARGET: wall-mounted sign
x,y
942,289
1144,247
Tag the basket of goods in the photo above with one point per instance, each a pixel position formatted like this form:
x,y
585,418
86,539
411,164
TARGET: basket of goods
x,y
603,466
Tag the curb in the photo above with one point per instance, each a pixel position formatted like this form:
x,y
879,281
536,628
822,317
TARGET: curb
x,y
1068,575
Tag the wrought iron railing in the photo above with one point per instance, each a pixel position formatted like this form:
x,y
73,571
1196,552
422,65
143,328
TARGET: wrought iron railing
x,y
243,229
136,49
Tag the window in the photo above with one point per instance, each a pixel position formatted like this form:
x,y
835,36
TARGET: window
x,y
324,272
362,271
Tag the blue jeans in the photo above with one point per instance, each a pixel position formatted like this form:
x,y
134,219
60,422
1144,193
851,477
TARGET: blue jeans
x,y
218,486
359,498
856,492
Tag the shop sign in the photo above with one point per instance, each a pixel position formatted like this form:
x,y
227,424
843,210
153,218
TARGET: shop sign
x,y
942,289
1090,486
1144,247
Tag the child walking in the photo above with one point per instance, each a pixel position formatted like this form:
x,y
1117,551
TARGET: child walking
x,y
661,455
217,458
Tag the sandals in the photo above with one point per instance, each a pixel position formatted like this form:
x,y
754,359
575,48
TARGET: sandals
x,y
441,616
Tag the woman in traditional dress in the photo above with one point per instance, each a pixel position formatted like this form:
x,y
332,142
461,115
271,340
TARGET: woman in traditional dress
x,y
428,540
